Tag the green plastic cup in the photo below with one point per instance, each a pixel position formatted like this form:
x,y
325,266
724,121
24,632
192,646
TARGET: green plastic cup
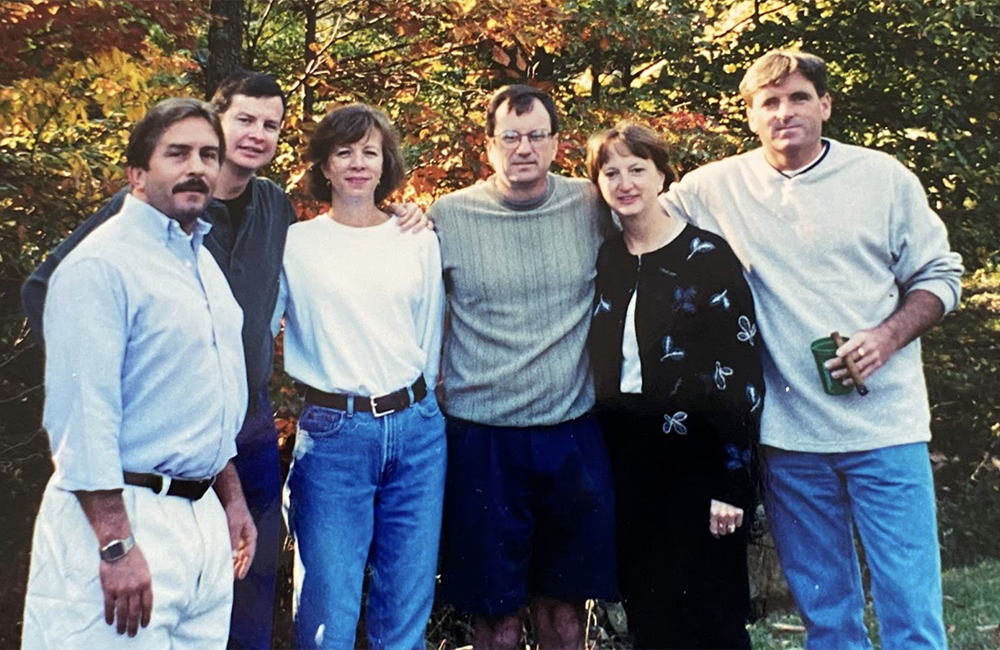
x,y
823,350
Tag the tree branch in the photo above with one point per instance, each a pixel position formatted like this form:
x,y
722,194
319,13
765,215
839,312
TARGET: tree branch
x,y
753,18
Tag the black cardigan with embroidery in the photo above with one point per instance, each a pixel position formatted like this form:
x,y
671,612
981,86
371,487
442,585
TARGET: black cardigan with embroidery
x,y
699,352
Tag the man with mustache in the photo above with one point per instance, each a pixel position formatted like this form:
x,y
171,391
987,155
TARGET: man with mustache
x,y
529,504
250,216
143,523
837,237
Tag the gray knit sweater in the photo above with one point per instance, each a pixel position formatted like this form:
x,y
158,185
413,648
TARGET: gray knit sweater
x,y
520,285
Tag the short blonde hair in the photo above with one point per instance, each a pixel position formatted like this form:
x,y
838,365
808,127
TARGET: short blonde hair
x,y
778,64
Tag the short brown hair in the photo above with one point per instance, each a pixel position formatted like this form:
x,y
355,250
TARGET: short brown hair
x,y
347,125
778,64
147,132
638,140
250,84
521,99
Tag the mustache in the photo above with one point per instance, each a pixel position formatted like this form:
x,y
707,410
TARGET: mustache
x,y
191,185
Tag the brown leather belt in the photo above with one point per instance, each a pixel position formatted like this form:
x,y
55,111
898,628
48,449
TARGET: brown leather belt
x,y
377,406
175,487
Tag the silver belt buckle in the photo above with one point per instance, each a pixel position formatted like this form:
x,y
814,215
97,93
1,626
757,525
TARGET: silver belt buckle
x,y
375,411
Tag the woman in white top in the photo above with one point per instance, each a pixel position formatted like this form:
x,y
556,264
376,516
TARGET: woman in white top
x,y
363,307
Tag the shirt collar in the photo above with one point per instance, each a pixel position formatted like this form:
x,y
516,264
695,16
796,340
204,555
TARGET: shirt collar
x,y
815,161
521,206
160,225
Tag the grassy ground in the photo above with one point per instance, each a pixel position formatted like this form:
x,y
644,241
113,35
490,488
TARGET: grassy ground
x,y
971,613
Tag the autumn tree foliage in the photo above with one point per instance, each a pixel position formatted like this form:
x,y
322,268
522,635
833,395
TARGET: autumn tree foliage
x,y
915,78
918,79
431,66
74,76
37,36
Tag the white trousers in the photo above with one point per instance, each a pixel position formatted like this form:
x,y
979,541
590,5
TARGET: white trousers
x,y
186,545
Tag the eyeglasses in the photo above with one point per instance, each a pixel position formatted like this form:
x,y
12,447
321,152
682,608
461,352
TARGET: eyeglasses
x,y
512,139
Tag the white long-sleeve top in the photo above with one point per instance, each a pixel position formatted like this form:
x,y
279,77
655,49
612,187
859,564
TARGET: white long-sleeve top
x,y
363,307
833,248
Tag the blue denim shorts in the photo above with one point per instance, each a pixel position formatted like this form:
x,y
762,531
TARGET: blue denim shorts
x,y
529,512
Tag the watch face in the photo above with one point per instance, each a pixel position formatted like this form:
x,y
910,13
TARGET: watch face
x,y
117,549
114,551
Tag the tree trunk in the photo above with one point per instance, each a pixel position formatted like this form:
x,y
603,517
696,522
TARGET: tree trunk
x,y
596,68
623,61
225,41
308,87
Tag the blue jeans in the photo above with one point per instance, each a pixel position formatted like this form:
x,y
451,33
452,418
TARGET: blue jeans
x,y
812,500
366,491
259,470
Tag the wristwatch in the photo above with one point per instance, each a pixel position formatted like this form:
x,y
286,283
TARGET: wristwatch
x,y
117,549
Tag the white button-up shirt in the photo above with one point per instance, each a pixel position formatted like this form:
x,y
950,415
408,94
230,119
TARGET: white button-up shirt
x,y
144,361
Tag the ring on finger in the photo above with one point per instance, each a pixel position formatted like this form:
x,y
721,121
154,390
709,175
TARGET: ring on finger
x,y
732,528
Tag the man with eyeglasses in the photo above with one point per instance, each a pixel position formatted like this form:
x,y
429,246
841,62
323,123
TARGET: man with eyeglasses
x,y
529,501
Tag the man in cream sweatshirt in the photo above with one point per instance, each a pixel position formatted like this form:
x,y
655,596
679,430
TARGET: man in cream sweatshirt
x,y
837,237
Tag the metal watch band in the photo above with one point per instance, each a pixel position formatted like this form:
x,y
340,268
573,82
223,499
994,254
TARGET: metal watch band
x,y
117,549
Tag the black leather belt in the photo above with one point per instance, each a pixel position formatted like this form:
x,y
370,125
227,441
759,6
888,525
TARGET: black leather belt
x,y
377,406
174,487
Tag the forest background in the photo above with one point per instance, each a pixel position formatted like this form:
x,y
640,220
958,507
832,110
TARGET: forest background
x,y
918,79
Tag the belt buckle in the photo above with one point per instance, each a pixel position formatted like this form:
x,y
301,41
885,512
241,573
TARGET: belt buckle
x,y
375,411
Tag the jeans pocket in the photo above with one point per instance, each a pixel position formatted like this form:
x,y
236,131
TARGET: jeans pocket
x,y
428,408
320,422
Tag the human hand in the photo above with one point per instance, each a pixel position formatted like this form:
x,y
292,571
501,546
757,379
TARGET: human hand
x,y
410,216
128,592
869,349
242,537
724,518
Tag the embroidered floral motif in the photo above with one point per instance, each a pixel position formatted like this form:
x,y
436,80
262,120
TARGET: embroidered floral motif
x,y
699,246
669,351
720,299
753,397
675,422
684,299
747,330
603,306
721,372
737,458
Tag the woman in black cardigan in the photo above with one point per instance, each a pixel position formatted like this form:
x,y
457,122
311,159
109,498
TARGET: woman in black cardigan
x,y
676,358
